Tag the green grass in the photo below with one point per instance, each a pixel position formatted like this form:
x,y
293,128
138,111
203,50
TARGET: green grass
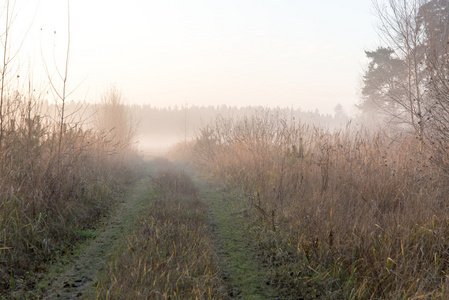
x,y
241,266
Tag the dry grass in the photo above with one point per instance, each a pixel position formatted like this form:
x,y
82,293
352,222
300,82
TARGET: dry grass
x,y
337,214
51,186
169,255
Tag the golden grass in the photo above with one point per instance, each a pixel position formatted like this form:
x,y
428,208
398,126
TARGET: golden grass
x,y
342,214
51,186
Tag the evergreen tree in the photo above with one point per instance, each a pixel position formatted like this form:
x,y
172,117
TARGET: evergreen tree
x,y
383,82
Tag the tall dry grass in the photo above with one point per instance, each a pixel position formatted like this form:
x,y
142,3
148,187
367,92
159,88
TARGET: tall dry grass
x,y
343,214
51,186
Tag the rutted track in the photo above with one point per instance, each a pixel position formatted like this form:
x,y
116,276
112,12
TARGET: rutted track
x,y
77,277
242,271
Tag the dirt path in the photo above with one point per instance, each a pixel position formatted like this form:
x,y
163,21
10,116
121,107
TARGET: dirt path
x,y
76,278
241,269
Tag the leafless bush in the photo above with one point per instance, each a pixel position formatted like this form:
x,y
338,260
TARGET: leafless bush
x,y
56,176
116,121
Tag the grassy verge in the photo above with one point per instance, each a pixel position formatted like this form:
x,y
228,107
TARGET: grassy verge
x,y
169,254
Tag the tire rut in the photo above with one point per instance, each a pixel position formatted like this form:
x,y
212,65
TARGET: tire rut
x,y
80,275
244,275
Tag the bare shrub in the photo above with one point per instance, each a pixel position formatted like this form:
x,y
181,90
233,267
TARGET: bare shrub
x,y
56,176
115,120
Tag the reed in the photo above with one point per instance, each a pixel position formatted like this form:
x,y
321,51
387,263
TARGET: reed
x,y
342,214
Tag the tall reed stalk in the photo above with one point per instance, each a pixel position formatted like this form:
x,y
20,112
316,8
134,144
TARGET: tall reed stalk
x,y
355,214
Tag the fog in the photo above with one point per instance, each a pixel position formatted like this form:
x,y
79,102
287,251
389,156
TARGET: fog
x,y
239,53
161,128
156,145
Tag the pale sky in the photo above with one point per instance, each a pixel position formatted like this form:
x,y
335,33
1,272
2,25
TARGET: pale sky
x,y
307,54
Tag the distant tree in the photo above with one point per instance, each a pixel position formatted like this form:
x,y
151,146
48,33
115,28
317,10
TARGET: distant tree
x,y
115,119
434,19
340,114
383,82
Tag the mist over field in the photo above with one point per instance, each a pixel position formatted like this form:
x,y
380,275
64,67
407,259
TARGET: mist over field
x,y
224,150
158,129
161,128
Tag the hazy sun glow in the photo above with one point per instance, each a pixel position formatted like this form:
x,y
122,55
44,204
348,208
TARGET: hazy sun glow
x,y
249,52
